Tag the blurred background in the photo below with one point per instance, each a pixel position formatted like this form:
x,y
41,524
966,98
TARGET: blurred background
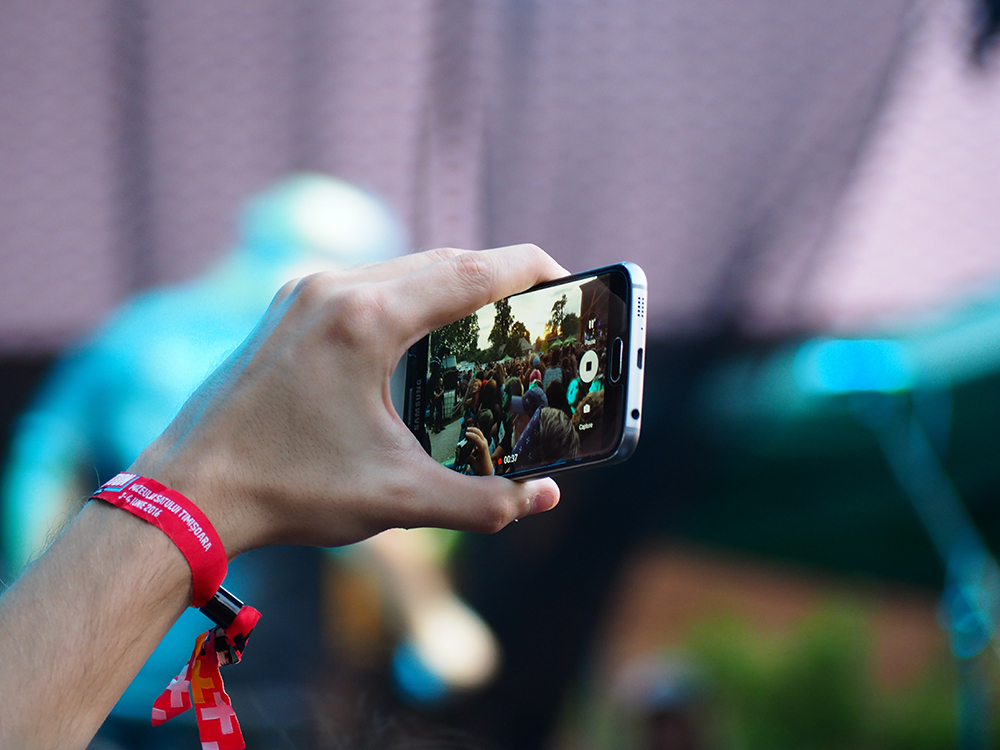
x,y
800,553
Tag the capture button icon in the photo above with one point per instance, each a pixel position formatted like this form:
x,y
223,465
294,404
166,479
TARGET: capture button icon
x,y
588,366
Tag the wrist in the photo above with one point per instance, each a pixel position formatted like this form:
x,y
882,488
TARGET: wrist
x,y
140,547
204,481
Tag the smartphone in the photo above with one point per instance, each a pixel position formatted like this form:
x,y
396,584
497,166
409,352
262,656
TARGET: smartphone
x,y
539,382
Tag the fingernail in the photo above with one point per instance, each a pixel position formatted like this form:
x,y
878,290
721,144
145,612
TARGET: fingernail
x,y
542,502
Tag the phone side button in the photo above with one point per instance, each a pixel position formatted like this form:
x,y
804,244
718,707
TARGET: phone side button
x,y
615,366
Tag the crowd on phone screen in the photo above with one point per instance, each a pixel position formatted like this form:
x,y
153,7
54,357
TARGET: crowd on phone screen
x,y
526,411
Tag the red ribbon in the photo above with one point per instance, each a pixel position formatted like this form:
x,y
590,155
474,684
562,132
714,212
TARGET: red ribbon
x,y
199,685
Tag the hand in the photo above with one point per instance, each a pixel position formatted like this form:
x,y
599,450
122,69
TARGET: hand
x,y
294,438
479,458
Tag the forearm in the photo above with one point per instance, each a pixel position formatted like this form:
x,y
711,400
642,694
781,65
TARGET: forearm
x,y
80,623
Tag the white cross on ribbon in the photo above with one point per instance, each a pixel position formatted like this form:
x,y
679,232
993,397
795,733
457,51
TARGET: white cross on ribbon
x,y
178,688
221,711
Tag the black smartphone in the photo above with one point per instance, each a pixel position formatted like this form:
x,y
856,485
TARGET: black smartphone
x,y
539,382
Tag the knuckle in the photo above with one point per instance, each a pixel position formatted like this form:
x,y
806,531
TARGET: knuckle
x,y
315,289
476,270
285,291
357,312
445,253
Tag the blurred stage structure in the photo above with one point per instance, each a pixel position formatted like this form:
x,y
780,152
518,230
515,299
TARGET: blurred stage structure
x,y
901,388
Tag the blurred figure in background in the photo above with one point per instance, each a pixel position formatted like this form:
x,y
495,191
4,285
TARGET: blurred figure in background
x,y
109,397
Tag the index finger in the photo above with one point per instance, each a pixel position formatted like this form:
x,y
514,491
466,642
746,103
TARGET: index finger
x,y
446,291
401,266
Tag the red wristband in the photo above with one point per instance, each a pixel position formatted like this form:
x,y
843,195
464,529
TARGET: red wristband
x,y
178,518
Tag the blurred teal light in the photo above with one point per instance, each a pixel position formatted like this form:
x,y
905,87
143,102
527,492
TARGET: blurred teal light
x,y
415,680
850,365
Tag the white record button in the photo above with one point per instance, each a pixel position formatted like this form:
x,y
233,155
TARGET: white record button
x,y
588,366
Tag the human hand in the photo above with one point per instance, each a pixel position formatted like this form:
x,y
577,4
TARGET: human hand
x,y
479,458
294,438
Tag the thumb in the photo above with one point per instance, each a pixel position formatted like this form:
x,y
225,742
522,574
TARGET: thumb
x,y
482,504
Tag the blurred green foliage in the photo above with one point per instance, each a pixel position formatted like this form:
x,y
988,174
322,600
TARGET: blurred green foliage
x,y
809,688
813,689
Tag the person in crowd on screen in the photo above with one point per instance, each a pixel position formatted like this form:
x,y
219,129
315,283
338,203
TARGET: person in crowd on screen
x,y
479,463
548,437
471,403
535,373
505,430
474,452
553,372
489,399
524,407
555,394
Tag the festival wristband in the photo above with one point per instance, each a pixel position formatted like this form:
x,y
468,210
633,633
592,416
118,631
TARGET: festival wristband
x,y
199,685
178,518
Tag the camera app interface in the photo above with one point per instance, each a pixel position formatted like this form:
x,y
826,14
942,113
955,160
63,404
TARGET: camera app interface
x,y
519,384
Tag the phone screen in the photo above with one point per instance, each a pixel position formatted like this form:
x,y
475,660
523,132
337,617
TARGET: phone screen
x,y
523,384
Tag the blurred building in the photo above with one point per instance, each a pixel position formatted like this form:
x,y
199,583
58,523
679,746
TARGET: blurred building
x,y
783,165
